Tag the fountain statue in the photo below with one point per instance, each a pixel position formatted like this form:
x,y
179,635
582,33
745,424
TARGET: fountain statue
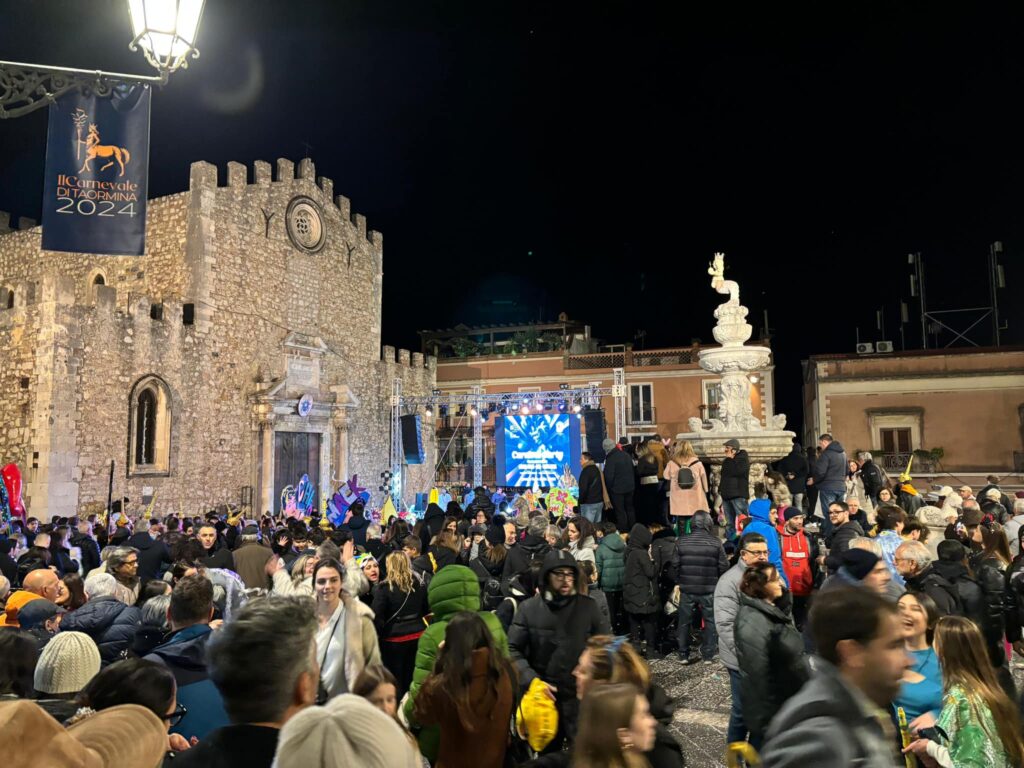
x,y
736,361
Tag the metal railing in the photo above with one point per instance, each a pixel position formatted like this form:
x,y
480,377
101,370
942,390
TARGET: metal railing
x,y
663,357
651,358
596,360
895,462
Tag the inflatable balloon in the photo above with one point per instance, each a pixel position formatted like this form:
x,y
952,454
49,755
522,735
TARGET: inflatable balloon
x,y
12,484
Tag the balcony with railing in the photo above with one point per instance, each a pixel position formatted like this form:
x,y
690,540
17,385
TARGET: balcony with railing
x,y
895,462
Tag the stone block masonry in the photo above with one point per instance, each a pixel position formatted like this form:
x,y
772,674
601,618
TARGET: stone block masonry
x,y
249,296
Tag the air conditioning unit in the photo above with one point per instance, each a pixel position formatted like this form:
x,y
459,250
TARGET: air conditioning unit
x,y
865,348
883,346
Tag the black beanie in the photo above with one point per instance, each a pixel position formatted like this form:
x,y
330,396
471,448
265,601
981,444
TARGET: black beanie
x,y
859,562
495,535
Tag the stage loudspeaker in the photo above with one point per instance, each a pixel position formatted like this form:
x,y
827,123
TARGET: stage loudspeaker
x,y
593,423
412,442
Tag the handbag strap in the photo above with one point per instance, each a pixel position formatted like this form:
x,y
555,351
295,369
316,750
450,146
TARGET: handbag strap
x,y
401,608
327,645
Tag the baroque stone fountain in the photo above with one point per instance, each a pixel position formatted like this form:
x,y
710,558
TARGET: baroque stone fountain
x,y
736,361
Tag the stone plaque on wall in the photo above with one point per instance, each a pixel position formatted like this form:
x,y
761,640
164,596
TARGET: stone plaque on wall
x,y
303,372
302,355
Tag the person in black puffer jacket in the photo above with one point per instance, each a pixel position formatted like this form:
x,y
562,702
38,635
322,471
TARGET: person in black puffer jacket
x,y
532,547
698,562
109,622
640,590
773,663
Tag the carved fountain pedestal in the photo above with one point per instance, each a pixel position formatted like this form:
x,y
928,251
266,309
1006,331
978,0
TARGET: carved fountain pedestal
x,y
736,361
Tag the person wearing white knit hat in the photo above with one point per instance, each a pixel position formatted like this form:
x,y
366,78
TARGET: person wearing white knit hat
x,y
67,663
347,731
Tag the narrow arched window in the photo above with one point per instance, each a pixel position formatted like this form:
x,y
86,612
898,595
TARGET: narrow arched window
x,y
99,280
145,427
149,432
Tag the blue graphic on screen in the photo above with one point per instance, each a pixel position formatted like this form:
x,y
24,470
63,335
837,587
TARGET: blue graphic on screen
x,y
534,449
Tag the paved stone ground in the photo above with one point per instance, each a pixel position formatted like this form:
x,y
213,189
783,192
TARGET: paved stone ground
x,y
702,700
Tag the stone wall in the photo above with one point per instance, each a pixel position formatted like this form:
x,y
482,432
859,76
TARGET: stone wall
x,y
74,350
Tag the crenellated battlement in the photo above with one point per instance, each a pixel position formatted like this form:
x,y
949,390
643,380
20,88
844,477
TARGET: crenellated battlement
x,y
24,223
204,175
405,359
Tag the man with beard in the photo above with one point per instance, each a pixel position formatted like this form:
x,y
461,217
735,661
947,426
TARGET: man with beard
x,y
549,633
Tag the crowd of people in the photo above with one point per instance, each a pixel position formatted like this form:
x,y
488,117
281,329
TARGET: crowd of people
x,y
491,632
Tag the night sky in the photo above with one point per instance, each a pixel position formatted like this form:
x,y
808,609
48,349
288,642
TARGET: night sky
x,y
524,159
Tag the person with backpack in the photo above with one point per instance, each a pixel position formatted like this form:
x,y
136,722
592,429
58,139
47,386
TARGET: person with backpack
x,y
489,566
611,570
688,486
982,592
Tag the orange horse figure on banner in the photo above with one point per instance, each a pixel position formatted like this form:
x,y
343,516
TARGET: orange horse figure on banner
x,y
93,148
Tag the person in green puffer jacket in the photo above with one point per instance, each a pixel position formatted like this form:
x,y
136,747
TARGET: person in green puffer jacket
x,y
454,588
611,571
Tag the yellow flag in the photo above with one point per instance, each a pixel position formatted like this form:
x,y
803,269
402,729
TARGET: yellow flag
x,y
387,512
149,510
434,496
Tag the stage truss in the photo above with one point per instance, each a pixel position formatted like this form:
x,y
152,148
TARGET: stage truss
x,y
479,405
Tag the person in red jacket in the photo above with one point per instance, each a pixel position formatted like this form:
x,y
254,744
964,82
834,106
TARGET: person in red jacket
x,y
799,561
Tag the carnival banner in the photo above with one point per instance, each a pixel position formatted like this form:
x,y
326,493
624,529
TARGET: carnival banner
x,y
97,162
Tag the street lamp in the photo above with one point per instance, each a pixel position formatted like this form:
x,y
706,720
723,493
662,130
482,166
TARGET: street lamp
x,y
165,30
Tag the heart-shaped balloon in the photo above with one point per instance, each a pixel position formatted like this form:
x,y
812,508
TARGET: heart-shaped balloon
x,y
12,482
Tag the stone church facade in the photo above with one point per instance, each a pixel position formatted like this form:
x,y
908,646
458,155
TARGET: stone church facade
x,y
241,351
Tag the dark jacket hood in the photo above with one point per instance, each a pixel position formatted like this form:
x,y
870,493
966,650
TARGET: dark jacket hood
x,y
835,446
701,521
639,537
759,509
186,648
664,533
454,588
433,511
533,544
556,558
614,542
141,541
950,571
